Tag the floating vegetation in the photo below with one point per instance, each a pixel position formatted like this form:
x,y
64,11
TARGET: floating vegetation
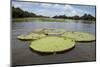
x,y
80,36
55,40
30,36
39,31
52,44
54,31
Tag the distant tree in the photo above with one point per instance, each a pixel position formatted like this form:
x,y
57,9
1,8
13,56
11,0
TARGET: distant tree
x,y
90,17
60,16
19,13
16,12
55,16
87,17
76,17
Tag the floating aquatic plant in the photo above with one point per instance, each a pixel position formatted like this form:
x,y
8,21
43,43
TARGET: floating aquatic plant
x,y
30,36
52,44
39,31
54,31
79,36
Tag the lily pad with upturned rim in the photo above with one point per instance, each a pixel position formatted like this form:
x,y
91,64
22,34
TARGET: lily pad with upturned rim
x,y
80,36
52,44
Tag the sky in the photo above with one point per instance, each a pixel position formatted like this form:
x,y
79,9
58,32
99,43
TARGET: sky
x,y
51,9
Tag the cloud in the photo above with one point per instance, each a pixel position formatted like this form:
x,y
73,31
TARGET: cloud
x,y
15,4
57,6
67,10
68,7
57,9
46,5
71,11
23,4
26,6
48,9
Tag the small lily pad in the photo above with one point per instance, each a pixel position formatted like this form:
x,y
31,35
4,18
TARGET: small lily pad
x,y
30,36
80,36
39,31
54,31
52,44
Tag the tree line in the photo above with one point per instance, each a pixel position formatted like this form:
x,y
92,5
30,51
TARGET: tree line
x,y
19,13
76,17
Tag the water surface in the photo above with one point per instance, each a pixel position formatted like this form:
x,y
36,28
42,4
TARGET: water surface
x,y
23,55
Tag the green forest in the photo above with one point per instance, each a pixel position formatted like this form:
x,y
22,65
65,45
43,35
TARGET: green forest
x,y
19,13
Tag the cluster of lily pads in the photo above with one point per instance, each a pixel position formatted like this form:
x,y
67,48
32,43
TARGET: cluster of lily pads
x,y
55,40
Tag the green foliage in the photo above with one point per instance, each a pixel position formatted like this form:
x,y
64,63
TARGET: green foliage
x,y
19,13
52,43
88,17
76,17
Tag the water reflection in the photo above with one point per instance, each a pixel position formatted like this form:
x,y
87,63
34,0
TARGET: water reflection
x,y
70,25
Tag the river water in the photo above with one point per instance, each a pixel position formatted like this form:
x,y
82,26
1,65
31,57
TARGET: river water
x,y
23,55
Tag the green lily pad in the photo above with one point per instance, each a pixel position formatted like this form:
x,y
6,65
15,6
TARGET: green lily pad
x,y
80,36
52,44
30,36
54,31
39,31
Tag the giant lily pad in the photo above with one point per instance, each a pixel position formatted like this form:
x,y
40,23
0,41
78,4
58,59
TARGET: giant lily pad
x,y
80,36
52,44
30,36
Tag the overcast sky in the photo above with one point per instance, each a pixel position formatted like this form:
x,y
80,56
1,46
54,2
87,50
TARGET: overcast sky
x,y
48,9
